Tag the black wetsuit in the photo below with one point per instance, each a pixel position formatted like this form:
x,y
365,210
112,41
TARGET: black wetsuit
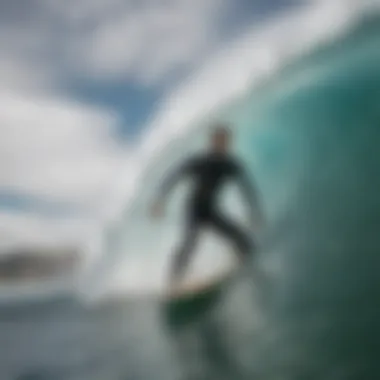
x,y
209,173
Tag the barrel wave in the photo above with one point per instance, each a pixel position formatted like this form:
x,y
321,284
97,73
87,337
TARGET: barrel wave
x,y
307,306
310,137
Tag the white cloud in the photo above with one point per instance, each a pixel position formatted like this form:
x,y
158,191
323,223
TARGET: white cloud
x,y
146,41
142,41
58,150
62,151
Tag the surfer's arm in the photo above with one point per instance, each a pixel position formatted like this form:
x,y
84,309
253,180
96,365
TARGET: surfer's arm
x,y
173,178
251,196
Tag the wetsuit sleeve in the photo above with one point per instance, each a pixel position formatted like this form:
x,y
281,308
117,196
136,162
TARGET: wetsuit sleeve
x,y
249,191
174,177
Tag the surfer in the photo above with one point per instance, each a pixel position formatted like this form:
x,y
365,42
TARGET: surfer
x,y
209,172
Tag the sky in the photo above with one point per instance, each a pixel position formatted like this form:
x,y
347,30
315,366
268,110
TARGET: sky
x,y
90,89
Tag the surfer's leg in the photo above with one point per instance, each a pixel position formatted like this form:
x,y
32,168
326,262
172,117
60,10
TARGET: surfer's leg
x,y
184,251
231,231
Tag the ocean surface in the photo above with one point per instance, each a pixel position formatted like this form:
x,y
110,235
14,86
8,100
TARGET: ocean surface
x,y
311,138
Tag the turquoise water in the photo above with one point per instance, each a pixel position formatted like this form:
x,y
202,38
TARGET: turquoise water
x,y
311,139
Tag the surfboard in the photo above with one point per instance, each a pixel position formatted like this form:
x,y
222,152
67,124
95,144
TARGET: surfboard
x,y
191,289
189,303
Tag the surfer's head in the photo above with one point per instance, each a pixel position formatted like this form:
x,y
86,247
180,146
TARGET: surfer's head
x,y
220,138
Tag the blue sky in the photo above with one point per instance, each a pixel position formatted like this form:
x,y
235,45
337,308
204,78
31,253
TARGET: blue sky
x,y
86,84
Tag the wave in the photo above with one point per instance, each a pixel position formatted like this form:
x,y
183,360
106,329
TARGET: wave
x,y
298,49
